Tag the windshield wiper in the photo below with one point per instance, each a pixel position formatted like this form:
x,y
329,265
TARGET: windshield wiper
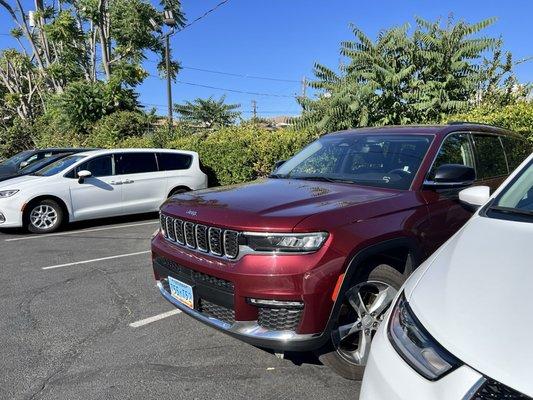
x,y
322,179
511,210
277,176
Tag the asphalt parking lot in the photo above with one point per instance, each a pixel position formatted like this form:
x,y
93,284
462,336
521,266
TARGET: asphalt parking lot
x,y
81,318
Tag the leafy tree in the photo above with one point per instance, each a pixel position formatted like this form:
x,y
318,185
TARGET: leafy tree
x,y
404,78
208,113
79,40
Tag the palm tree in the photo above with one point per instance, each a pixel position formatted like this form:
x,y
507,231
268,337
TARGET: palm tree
x,y
208,113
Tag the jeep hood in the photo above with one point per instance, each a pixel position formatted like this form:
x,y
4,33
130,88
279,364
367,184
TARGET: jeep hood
x,y
475,299
271,204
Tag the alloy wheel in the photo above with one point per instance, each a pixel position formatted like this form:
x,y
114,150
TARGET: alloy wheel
x,y
360,315
43,217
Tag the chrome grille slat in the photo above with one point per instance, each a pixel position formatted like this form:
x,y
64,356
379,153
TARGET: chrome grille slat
x,y
178,224
201,238
171,230
190,234
207,239
215,241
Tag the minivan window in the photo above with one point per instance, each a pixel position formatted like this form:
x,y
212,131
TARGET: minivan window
x,y
174,161
456,149
135,163
490,156
98,166
388,161
516,149
59,166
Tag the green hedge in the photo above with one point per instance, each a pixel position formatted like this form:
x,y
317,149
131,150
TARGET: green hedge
x,y
239,154
517,117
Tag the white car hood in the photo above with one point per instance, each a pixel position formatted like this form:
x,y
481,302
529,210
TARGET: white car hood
x,y
22,182
476,299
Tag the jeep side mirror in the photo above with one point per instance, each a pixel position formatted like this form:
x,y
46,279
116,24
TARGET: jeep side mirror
x,y
475,196
84,174
279,164
452,176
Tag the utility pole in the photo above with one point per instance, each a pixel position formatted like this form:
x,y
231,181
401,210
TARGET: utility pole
x,y
304,87
169,21
169,81
254,109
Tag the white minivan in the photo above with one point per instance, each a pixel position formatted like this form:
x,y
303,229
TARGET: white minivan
x,y
97,184
461,325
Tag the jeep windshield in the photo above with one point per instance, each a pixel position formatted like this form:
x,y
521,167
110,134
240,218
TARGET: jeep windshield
x,y
515,202
388,161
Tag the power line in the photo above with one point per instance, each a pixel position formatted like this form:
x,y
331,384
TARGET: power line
x,y
241,75
230,90
236,91
204,15
248,76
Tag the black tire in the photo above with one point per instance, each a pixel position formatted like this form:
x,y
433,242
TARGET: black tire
x,y
338,354
38,225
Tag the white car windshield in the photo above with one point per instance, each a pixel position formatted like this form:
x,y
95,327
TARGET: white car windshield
x,y
516,200
59,166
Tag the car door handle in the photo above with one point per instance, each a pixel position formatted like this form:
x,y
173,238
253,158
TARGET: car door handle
x,y
128,181
116,183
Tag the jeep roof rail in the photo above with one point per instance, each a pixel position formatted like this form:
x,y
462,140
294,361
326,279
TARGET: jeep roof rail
x,y
473,123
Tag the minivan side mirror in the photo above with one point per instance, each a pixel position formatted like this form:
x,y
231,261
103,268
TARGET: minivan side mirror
x,y
452,176
279,164
84,174
475,196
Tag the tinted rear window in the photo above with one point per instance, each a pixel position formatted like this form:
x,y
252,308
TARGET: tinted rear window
x,y
517,150
135,163
174,161
490,156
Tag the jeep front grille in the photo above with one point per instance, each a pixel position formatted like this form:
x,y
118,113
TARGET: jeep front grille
x,y
216,241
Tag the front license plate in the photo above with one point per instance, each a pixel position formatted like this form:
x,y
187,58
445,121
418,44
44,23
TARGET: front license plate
x,y
181,292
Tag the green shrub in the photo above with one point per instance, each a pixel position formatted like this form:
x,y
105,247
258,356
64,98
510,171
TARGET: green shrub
x,y
119,127
517,117
16,138
239,154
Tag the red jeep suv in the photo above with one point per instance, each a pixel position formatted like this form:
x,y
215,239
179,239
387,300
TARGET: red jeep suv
x,y
311,257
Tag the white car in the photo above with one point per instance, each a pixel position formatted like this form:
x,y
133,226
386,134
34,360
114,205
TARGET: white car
x,y
97,184
462,326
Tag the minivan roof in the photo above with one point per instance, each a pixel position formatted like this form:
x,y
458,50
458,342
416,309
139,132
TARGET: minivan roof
x,y
138,150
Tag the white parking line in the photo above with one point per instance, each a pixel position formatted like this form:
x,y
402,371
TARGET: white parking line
x,y
155,318
95,260
81,231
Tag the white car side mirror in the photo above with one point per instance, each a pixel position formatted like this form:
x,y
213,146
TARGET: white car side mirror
x,y
23,164
84,174
475,195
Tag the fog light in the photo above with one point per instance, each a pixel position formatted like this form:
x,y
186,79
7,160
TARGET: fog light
x,y
276,303
2,218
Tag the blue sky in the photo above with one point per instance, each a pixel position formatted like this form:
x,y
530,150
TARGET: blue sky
x,y
284,38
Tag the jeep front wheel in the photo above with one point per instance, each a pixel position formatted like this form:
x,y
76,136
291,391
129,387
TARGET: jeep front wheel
x,y
363,309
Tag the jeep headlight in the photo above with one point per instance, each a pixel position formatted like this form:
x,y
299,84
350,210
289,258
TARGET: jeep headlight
x,y
285,242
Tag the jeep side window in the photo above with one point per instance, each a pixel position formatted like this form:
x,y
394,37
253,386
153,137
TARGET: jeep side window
x,y
456,149
516,150
490,156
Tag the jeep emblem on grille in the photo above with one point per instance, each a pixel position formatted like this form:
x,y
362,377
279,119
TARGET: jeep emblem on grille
x,y
192,212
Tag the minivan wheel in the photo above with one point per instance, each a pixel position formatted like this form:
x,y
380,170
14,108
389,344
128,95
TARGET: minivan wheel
x,y
44,216
363,309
